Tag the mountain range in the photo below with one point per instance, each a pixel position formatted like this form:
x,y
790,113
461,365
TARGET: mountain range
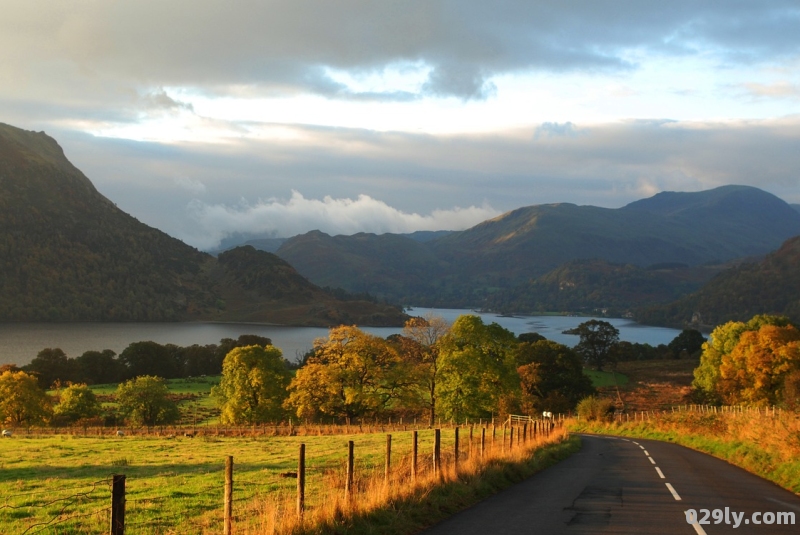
x,y
660,236
67,253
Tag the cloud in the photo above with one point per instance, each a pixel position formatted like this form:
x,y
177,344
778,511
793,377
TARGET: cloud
x,y
776,90
298,215
287,46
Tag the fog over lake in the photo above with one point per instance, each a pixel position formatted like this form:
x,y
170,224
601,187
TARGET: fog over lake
x,y
20,342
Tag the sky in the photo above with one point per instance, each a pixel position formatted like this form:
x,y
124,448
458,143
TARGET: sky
x,y
277,117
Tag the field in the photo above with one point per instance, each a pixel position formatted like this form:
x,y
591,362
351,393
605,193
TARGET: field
x,y
60,484
649,384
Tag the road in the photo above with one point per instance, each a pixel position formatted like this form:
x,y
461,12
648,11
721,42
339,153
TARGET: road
x,y
621,486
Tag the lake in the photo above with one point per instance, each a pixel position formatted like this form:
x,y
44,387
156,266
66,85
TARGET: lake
x,y
20,342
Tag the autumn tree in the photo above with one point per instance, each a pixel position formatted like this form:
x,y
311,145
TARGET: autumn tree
x,y
755,370
722,341
22,401
77,402
551,376
145,401
597,339
253,385
351,374
421,347
477,370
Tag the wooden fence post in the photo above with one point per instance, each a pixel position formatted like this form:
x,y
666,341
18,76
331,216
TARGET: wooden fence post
x,y
388,469
455,450
117,505
414,455
301,481
483,441
511,439
348,487
437,452
228,495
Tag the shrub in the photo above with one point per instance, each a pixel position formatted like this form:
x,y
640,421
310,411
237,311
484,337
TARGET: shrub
x,y
593,408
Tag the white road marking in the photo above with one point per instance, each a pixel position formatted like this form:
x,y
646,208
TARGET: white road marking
x,y
697,527
660,473
672,490
651,460
645,452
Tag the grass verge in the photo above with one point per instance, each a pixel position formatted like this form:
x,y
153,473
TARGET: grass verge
x,y
763,445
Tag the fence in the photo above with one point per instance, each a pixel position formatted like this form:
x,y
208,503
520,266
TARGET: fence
x,y
339,471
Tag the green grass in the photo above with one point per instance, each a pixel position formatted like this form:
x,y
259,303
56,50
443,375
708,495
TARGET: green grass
x,y
169,481
605,379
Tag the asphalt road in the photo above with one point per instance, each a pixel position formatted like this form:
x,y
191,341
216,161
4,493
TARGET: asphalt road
x,y
615,485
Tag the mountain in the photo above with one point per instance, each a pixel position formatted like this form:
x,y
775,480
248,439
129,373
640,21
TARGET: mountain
x,y
601,287
795,206
468,267
768,286
69,254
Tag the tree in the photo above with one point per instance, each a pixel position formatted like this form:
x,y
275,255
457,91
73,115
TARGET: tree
x,y
22,400
145,401
351,374
598,338
99,367
551,376
687,344
723,340
77,402
755,370
478,376
253,385
421,346
150,358
52,365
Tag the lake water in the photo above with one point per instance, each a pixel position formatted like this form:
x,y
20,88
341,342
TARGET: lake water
x,y
20,342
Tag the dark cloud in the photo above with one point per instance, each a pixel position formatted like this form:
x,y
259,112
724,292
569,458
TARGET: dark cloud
x,y
284,45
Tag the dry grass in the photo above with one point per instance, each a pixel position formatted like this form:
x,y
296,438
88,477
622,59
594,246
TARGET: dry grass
x,y
757,441
381,506
654,384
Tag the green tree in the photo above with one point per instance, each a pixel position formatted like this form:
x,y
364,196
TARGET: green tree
x,y
687,344
551,376
77,402
52,365
22,400
421,347
99,367
351,374
597,340
253,385
150,358
478,376
145,400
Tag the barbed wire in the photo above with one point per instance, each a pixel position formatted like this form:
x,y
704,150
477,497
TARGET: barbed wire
x,y
75,496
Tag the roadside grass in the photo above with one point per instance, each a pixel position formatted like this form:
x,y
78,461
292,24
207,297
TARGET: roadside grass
x,y
60,484
761,444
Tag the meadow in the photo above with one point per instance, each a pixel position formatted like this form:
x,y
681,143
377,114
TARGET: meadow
x,y
60,483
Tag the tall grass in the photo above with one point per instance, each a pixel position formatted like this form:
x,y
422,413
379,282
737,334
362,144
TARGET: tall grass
x,y
761,442
402,505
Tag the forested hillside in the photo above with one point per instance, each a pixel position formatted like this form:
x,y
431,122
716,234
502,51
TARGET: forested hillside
x,y
770,286
69,254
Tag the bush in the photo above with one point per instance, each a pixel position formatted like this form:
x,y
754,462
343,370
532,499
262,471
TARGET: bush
x,y
593,408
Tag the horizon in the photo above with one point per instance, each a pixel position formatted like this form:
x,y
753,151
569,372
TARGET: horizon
x,y
204,121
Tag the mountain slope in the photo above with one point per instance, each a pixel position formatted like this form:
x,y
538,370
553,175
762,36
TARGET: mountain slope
x,y
69,254
769,286
468,268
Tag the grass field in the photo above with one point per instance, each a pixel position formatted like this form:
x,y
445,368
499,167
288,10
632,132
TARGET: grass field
x,y
60,484
605,379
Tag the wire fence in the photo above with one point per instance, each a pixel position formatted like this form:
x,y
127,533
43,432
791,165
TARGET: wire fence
x,y
151,507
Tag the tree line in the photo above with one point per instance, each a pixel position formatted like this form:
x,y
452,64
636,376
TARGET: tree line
x,y
433,369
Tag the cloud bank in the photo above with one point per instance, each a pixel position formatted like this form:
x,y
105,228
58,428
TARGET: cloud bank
x,y
297,215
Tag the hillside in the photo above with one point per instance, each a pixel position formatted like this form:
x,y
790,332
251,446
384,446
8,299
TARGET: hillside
x,y
69,254
468,268
597,286
770,286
